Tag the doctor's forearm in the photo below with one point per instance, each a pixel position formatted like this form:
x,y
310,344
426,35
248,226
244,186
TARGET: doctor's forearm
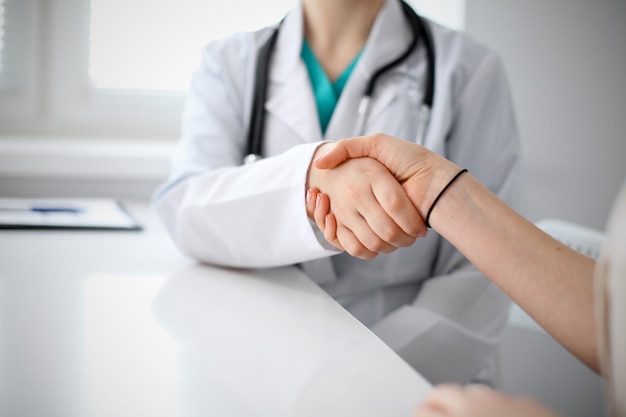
x,y
209,216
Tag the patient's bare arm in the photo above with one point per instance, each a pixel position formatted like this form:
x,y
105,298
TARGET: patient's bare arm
x,y
550,281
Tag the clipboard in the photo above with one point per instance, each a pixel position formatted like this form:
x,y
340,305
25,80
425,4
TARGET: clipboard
x,y
66,214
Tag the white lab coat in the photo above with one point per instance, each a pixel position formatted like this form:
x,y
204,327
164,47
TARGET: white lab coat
x,y
426,301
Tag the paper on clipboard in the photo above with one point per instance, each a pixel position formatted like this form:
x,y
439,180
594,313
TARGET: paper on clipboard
x,y
61,213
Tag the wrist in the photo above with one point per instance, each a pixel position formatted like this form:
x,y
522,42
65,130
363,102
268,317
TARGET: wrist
x,y
444,173
313,173
443,190
424,188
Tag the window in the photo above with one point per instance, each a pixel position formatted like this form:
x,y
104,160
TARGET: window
x,y
163,53
172,33
18,62
109,68
450,13
119,68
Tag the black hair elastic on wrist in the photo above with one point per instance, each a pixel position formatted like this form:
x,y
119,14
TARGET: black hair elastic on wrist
x,y
441,193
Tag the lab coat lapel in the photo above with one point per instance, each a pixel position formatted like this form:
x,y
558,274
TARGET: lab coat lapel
x,y
292,102
294,105
290,97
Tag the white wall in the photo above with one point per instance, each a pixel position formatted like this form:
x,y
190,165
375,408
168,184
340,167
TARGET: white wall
x,y
566,61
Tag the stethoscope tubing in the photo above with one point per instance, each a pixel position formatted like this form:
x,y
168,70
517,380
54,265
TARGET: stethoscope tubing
x,y
420,31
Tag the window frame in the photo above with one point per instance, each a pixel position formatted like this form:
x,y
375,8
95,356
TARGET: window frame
x,y
56,129
20,82
80,106
46,88
50,94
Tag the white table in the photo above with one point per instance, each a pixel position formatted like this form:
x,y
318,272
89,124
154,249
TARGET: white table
x,y
119,324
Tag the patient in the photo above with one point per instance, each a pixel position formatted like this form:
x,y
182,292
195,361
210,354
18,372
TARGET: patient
x,y
550,281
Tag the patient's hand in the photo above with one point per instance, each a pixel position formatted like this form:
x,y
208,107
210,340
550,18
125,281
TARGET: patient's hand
x,y
477,401
371,212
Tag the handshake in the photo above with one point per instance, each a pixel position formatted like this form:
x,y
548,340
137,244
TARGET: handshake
x,y
374,194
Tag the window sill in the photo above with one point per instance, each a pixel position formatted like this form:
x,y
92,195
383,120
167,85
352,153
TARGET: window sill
x,y
84,158
82,167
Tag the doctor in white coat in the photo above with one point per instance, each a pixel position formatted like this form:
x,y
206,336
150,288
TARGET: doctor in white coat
x,y
426,301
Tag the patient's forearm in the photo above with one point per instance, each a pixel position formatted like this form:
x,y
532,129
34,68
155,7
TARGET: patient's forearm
x,y
551,282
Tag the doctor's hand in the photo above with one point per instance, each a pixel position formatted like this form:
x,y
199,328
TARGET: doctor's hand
x,y
372,212
477,401
421,172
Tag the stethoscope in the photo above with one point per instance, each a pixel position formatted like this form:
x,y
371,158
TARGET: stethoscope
x,y
419,29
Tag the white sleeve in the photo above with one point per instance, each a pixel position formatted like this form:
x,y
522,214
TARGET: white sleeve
x,y
246,216
218,211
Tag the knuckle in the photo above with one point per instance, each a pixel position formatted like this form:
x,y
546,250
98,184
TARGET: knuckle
x,y
415,227
390,233
368,255
359,251
376,245
394,235
393,202
388,249
337,245
354,249
353,193
378,136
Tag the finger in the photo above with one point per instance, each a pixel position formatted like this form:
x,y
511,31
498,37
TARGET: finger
x,y
400,210
363,214
362,230
447,397
479,389
352,244
322,208
345,149
322,212
428,412
381,233
330,231
362,241
310,200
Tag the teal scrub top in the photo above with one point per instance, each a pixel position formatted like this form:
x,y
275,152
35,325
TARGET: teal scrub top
x,y
326,93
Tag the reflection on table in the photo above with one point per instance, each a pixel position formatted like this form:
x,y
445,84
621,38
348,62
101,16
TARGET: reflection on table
x,y
274,344
119,324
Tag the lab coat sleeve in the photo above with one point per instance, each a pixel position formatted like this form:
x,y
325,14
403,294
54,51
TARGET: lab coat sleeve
x,y
219,211
457,318
252,216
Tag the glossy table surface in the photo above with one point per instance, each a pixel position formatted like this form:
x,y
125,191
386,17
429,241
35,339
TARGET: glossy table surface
x,y
120,324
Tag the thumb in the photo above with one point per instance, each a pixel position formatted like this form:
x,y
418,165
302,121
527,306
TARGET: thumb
x,y
345,149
